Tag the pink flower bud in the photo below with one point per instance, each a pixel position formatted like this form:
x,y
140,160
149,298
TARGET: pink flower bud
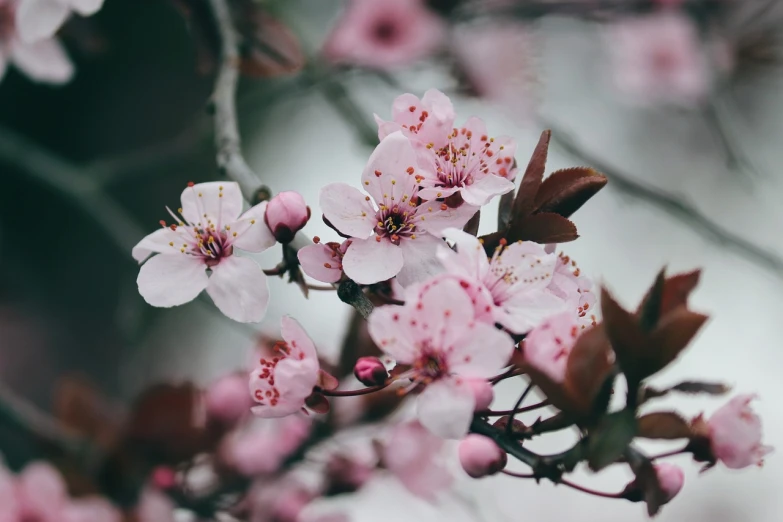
x,y
163,477
735,434
483,393
480,456
370,371
671,479
227,399
286,214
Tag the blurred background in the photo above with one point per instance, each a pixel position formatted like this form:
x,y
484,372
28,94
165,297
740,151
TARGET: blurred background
x,y
677,102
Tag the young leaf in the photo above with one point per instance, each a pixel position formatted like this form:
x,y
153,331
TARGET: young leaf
x,y
610,438
566,190
588,366
531,181
650,309
663,425
543,228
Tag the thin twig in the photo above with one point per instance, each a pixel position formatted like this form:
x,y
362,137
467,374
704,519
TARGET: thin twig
x,y
510,424
524,409
517,474
590,491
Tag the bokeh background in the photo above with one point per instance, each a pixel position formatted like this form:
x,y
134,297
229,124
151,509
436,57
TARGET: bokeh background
x,y
88,168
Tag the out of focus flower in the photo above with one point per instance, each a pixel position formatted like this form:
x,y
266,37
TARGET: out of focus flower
x,y
384,35
671,479
280,385
400,237
548,346
437,334
227,399
415,456
569,284
279,501
659,58
461,164
43,61
514,281
286,214
370,371
40,19
480,456
346,474
154,506
735,434
261,450
93,509
201,241
323,261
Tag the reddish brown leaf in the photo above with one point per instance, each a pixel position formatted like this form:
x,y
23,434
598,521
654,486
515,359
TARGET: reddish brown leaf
x,y
472,226
677,290
531,181
670,338
80,406
623,332
650,309
543,228
589,364
491,241
317,402
327,381
565,191
663,425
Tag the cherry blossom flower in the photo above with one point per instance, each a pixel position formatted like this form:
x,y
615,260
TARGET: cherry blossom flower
x,y
671,479
453,161
286,214
93,509
37,493
659,58
279,500
548,346
207,229
227,399
262,449
384,35
43,61
400,236
480,456
437,334
735,434
569,284
323,261
40,19
154,506
414,456
514,281
280,385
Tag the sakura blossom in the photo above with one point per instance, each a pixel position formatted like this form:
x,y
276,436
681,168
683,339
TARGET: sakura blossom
x,y
735,434
323,261
658,58
37,493
393,233
571,285
93,509
260,449
42,61
671,479
280,385
40,19
197,252
514,281
547,347
384,35
415,456
437,334
370,371
480,456
286,214
227,399
457,164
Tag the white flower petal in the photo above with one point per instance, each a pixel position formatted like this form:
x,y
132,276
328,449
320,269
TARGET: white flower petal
x,y
446,408
470,260
368,261
39,19
43,61
220,201
239,289
481,351
253,235
297,338
157,242
420,262
486,188
347,209
388,327
172,279
390,174
86,7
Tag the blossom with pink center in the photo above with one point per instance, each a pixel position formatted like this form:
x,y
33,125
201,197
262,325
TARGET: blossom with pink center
x,y
197,252
514,281
323,261
40,19
384,35
480,456
659,58
415,457
42,61
400,235
280,385
547,347
436,332
671,478
464,161
38,493
569,284
735,434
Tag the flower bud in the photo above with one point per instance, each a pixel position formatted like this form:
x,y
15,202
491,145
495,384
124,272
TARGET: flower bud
x,y
370,371
163,478
286,214
227,399
483,392
480,456
735,434
671,479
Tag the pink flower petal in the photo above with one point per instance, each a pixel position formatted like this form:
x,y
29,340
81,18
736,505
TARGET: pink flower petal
x,y
369,261
389,329
297,339
414,455
43,61
419,259
446,407
216,202
154,506
434,217
239,289
252,233
39,19
347,209
389,176
91,509
159,241
480,351
469,260
42,493
172,279
486,188
314,260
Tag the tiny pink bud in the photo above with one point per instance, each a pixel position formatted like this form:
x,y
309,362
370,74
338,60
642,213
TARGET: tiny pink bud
x,y
671,479
735,434
227,399
163,477
483,392
370,371
286,214
480,456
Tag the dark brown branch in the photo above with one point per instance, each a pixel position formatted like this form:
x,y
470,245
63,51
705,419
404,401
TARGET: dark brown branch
x,y
351,293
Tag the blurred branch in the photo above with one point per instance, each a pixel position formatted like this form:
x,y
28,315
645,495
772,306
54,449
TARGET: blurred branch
x,y
675,206
736,159
227,138
34,161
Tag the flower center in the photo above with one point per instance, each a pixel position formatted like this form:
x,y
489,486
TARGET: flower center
x,y
386,31
430,366
464,159
395,224
212,245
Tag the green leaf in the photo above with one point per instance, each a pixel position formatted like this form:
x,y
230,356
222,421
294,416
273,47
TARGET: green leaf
x,y
610,438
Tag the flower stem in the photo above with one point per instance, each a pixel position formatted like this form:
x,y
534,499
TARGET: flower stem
x,y
493,413
589,491
517,475
355,393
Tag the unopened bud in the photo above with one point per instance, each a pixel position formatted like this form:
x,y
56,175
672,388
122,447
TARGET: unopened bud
x,y
480,456
163,478
286,214
227,399
370,371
